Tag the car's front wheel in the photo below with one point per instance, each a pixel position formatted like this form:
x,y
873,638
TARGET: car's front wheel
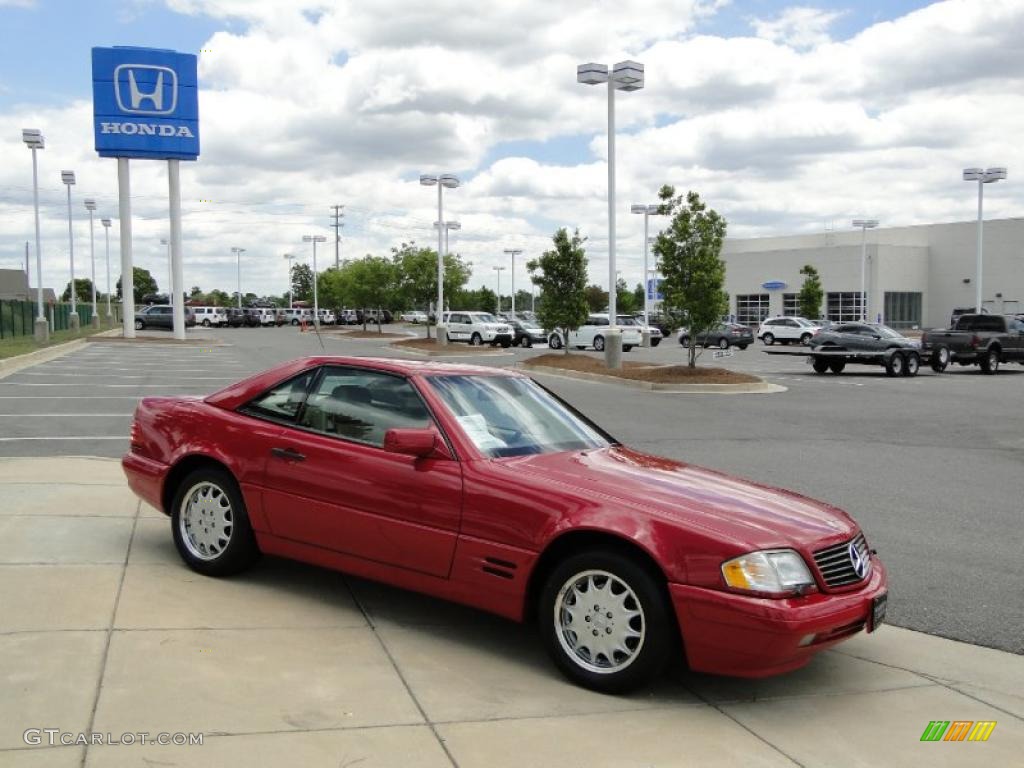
x,y
555,341
210,524
599,343
768,339
139,325
606,621
476,340
526,342
723,343
805,339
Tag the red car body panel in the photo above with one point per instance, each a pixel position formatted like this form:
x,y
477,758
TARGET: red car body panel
x,y
469,528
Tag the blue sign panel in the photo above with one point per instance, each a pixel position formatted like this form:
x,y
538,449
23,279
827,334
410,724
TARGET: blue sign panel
x,y
773,285
145,103
654,290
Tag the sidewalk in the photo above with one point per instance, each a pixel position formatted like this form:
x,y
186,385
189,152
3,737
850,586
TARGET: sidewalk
x,y
104,630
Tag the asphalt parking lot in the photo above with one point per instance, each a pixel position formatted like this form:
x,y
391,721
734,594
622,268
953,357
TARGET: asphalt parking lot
x,y
931,466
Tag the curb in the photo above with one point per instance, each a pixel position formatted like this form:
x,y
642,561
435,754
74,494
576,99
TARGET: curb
x,y
14,364
761,388
421,353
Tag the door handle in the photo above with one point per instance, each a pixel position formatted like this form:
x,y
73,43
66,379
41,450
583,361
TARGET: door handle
x,y
289,454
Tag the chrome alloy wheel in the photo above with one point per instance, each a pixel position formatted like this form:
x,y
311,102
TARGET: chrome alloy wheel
x,y
599,622
206,521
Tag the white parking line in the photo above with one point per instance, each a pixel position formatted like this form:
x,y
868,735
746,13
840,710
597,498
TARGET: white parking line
x,y
148,376
64,437
65,397
59,415
105,386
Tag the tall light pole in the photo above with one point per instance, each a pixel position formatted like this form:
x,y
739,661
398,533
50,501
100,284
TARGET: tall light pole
x,y
90,206
290,257
987,176
238,271
647,211
450,181
865,225
314,239
624,76
499,269
68,179
170,271
448,227
34,140
106,231
513,252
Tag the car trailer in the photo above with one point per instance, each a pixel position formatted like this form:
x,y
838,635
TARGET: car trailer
x,y
896,361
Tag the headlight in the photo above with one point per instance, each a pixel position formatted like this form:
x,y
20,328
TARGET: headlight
x,y
777,571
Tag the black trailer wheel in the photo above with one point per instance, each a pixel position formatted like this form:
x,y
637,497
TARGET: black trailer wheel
x,y
913,364
821,364
836,366
896,364
940,359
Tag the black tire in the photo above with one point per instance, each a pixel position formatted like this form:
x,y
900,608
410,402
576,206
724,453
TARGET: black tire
x,y
913,364
239,551
295,321
139,325
896,365
805,339
742,346
655,621
940,359
723,343
820,364
476,340
526,342
655,342
989,361
506,343
599,343
768,339
684,341
554,341
836,366
627,347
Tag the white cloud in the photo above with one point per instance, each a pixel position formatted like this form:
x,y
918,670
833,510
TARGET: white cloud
x,y
799,27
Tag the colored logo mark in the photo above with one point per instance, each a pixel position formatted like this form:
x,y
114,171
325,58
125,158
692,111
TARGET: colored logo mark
x,y
958,730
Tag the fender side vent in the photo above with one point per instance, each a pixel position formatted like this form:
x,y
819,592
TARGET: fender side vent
x,y
500,563
497,572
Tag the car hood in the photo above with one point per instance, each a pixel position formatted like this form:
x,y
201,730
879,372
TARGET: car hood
x,y
703,500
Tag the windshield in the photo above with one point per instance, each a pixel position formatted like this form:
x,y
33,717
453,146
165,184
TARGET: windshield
x,y
886,332
506,416
627,320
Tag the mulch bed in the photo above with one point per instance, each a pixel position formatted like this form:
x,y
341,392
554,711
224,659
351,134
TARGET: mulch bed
x,y
369,334
659,374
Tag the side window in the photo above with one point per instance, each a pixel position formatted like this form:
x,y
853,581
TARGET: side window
x,y
363,405
283,401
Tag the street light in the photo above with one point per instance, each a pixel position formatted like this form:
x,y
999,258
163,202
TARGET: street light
x,y
291,287
90,206
238,254
170,271
988,176
624,76
499,270
513,252
106,231
34,140
865,225
68,178
314,239
647,211
451,182
448,227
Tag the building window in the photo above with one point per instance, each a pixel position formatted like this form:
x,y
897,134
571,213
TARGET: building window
x,y
902,309
845,306
751,308
791,305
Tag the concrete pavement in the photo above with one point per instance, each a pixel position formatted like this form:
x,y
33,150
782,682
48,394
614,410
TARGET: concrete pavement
x,y
104,630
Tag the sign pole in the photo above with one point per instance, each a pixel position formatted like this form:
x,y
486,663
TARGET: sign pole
x,y
177,293
124,204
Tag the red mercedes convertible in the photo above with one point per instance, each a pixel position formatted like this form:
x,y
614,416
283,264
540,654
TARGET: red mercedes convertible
x,y
480,486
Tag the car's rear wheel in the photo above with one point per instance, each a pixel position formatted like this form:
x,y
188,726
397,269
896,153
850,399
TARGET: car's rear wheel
x,y
990,361
206,322
723,343
742,346
599,343
805,339
526,342
210,524
940,359
605,621
139,325
684,341
655,342
476,340
555,341
768,339
627,347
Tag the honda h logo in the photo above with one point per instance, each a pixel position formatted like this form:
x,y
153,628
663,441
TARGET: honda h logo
x,y
146,89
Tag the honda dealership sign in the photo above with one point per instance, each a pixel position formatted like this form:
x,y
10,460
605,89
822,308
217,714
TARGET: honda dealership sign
x,y
145,103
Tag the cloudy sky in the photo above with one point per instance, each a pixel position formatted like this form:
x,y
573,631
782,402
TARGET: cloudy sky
x,y
786,118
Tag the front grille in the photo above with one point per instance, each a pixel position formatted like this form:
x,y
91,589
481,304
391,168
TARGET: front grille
x,y
836,566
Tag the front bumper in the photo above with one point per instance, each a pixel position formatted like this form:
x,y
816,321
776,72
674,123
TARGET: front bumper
x,y
730,634
495,337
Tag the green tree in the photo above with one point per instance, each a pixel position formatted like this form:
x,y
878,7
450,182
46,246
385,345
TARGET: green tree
x,y
371,283
596,298
144,284
416,277
524,300
302,282
218,298
688,253
638,297
562,279
811,293
625,299
83,290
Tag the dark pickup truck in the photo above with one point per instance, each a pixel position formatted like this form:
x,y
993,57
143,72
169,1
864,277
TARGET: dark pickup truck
x,y
983,340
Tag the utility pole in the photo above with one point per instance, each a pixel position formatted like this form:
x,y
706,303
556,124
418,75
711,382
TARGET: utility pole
x,y
338,224
27,277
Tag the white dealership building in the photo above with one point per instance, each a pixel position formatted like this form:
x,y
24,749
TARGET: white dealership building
x,y
915,275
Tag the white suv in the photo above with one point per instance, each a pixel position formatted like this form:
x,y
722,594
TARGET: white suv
x,y
592,334
294,316
786,330
478,328
208,316
327,317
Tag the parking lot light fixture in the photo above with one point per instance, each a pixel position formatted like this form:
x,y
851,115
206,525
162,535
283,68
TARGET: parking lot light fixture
x,y
106,232
314,239
68,179
499,269
448,227
647,211
90,206
513,252
290,257
34,140
865,225
624,76
238,271
987,176
170,271
442,181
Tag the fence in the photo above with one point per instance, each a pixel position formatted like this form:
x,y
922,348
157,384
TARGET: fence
x,y
17,318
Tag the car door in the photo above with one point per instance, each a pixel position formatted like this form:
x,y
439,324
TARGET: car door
x,y
331,484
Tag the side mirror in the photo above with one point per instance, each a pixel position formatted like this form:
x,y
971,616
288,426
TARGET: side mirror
x,y
411,442
875,336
